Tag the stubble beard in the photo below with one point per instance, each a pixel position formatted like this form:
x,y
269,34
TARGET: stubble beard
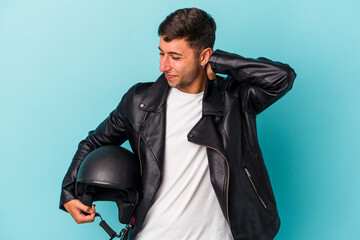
x,y
189,78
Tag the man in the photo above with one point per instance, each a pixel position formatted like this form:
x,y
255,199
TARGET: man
x,y
203,175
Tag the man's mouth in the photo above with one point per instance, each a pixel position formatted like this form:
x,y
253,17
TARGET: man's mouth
x,y
169,76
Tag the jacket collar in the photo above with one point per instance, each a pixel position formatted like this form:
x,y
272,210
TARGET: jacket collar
x,y
155,98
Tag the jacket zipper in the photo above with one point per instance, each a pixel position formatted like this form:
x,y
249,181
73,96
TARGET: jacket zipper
x,y
139,144
227,186
253,185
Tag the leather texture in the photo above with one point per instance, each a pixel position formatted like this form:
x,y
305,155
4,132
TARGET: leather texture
x,y
227,128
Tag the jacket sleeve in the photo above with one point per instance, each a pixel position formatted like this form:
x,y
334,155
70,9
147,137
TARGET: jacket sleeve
x,y
262,81
110,131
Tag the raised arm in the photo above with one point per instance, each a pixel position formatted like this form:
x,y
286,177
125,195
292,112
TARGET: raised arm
x,y
262,81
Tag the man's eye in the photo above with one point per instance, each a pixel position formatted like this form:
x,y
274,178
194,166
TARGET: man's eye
x,y
162,54
175,58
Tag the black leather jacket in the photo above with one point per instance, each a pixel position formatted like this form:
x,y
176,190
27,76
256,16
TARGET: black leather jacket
x,y
227,129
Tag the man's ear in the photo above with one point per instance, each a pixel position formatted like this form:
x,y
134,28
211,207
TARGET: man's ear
x,y
205,56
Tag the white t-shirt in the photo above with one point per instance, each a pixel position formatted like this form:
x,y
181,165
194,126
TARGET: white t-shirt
x,y
186,207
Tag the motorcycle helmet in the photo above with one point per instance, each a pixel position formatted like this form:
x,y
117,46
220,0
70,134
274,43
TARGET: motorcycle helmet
x,y
110,173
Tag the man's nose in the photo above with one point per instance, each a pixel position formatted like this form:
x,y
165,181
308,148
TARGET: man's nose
x,y
164,64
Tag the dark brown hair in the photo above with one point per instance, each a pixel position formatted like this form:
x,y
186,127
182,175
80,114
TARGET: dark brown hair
x,y
193,24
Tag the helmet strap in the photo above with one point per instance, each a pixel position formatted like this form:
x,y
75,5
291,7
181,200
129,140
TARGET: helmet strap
x,y
87,199
111,232
106,227
125,207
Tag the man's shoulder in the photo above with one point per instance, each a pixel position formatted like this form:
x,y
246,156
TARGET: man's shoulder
x,y
140,88
136,93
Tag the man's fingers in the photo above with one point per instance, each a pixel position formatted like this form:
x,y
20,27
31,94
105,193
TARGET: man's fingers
x,y
86,209
86,214
209,72
82,218
80,212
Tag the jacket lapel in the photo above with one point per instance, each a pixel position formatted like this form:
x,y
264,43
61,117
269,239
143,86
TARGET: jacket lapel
x,y
152,128
206,131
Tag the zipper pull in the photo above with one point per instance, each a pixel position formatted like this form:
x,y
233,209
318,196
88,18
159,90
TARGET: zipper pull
x,y
247,172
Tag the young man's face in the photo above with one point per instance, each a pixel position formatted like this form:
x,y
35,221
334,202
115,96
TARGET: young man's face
x,y
180,63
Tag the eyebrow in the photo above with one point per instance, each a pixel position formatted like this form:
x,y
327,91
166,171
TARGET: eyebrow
x,y
172,53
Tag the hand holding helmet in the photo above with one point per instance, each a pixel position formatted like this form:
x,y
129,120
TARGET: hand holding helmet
x,y
80,212
109,173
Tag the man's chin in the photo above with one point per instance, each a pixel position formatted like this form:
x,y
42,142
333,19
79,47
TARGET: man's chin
x,y
172,83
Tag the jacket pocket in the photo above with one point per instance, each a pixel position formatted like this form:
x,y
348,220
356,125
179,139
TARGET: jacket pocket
x,y
254,188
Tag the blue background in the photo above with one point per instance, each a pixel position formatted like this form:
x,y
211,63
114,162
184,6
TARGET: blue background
x,y
64,65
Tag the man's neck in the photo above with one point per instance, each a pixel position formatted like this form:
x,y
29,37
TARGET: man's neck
x,y
197,86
